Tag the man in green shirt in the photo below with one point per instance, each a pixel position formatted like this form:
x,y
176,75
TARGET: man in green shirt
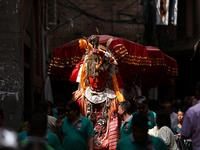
x,y
142,107
139,138
49,137
124,111
76,130
61,101
38,128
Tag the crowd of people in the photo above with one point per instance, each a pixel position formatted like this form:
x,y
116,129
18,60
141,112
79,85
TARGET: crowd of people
x,y
152,125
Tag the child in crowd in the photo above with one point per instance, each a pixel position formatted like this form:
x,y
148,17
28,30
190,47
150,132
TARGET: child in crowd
x,y
177,129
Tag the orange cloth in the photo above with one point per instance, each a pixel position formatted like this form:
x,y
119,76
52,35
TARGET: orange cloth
x,y
83,76
119,94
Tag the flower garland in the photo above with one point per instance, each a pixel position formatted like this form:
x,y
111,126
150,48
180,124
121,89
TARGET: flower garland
x,y
100,63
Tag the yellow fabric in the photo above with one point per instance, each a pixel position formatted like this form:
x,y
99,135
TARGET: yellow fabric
x,y
119,94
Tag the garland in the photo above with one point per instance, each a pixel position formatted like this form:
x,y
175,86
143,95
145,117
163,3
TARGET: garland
x,y
101,61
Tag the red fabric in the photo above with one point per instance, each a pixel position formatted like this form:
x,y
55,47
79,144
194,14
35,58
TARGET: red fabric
x,y
151,64
74,74
65,57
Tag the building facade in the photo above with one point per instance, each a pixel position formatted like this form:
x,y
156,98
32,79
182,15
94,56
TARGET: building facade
x,y
21,82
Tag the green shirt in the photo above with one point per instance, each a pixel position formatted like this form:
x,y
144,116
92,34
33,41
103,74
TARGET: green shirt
x,y
51,138
125,129
55,113
24,143
75,137
153,143
176,129
151,116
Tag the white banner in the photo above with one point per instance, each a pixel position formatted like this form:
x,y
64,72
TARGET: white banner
x,y
162,13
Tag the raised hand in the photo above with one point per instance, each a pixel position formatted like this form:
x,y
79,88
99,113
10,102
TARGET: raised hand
x,y
59,122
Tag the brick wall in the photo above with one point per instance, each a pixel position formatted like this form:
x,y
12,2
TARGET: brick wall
x,y
85,26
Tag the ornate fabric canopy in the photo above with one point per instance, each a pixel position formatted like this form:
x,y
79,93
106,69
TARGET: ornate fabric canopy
x,y
163,69
152,66
65,57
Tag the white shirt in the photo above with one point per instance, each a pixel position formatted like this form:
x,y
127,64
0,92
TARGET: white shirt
x,y
153,131
167,136
51,123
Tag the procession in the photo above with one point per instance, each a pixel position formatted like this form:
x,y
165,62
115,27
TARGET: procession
x,y
101,75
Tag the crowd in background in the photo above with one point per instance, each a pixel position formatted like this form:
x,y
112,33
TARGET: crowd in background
x,y
163,124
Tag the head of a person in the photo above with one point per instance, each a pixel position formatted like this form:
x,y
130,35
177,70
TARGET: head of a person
x,y
198,90
124,108
180,115
34,110
26,113
140,128
72,109
1,117
187,100
141,104
38,124
167,101
128,85
46,107
163,119
153,104
61,100
178,105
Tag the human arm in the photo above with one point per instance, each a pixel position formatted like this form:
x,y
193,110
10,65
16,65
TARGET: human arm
x,y
90,135
91,142
59,124
186,129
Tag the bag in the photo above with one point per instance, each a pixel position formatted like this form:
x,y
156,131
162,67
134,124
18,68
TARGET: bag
x,y
180,144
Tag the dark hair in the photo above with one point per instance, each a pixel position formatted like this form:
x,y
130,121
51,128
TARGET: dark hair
x,y
126,106
163,119
35,110
73,105
198,86
141,100
187,98
38,123
167,98
35,146
178,105
44,105
61,98
181,110
153,104
1,113
140,120
26,113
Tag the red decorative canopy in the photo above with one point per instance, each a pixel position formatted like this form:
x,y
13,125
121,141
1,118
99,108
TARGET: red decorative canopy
x,y
126,52
163,69
151,65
